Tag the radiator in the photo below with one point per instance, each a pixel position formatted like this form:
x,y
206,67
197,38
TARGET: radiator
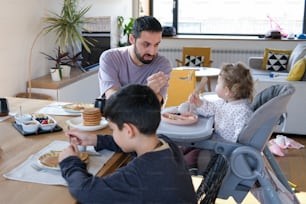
x,y
218,56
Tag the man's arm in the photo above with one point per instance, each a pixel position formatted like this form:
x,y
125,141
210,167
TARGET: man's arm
x,y
108,72
110,91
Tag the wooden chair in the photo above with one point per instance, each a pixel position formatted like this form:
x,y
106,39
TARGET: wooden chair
x,y
181,84
196,57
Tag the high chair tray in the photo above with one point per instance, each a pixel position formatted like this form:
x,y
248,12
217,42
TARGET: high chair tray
x,y
201,130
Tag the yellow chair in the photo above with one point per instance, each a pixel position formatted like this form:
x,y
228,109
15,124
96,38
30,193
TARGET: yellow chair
x,y
196,57
181,84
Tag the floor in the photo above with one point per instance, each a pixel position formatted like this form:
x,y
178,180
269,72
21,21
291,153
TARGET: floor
x,y
293,163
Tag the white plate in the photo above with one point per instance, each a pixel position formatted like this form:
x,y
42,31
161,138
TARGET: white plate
x,y
47,167
77,107
40,164
44,166
78,123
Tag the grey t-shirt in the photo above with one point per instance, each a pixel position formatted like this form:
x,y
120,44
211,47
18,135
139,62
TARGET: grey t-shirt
x,y
117,69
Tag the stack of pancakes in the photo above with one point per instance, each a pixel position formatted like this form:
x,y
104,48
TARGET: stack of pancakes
x,y
91,116
51,159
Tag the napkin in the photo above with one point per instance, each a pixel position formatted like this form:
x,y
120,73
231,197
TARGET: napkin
x,y
25,172
3,118
56,108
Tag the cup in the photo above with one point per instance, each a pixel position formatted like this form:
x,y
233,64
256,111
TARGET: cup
x,y
4,110
100,103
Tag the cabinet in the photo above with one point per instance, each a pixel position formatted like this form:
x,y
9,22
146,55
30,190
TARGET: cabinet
x,y
81,87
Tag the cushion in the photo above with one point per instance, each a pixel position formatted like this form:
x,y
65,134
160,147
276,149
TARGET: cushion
x,y
304,76
297,71
298,52
194,61
275,60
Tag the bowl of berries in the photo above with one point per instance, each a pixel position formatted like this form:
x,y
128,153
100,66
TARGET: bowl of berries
x,y
46,122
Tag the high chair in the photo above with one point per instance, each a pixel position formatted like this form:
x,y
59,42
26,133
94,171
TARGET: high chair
x,y
181,84
248,165
196,57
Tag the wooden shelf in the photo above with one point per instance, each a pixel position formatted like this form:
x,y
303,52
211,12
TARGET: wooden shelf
x,y
45,82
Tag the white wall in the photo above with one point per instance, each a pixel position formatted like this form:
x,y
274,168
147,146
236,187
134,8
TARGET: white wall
x,y
20,22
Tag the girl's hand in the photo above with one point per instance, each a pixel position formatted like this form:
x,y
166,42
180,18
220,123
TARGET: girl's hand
x,y
194,99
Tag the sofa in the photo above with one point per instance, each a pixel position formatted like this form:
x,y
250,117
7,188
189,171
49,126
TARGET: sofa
x,y
266,74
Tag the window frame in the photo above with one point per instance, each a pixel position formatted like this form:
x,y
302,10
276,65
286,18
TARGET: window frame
x,y
175,22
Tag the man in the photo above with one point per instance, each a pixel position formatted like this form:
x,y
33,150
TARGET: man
x,y
138,63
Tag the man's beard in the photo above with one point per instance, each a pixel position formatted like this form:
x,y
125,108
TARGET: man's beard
x,y
141,58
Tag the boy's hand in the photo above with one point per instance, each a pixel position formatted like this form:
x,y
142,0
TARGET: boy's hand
x,y
71,150
77,137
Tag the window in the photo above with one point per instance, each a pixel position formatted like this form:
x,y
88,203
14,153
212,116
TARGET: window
x,y
230,17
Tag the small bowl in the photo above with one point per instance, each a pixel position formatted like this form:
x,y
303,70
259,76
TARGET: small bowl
x,y
30,126
20,118
50,125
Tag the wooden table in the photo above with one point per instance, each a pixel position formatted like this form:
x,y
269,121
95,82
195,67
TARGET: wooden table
x,y
209,72
15,148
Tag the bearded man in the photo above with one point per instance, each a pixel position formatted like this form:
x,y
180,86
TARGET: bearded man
x,y
138,63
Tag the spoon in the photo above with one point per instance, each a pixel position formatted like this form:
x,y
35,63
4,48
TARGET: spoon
x,y
198,89
200,85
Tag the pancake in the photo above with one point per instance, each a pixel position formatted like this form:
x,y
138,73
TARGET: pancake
x,y
51,159
91,116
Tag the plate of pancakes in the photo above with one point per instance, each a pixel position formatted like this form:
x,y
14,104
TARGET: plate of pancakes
x,y
91,120
77,107
50,160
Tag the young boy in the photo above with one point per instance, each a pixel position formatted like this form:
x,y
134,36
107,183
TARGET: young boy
x,y
156,175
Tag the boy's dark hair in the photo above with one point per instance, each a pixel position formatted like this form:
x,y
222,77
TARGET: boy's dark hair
x,y
135,104
146,23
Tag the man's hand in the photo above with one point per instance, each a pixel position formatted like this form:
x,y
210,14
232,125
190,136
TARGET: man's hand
x,y
157,81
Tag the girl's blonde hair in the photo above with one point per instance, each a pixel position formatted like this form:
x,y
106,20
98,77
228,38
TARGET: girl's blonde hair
x,y
237,77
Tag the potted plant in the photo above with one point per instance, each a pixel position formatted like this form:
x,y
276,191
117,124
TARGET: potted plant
x,y
124,30
61,60
68,27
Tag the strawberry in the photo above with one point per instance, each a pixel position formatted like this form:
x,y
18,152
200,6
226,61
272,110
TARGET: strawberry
x,y
44,122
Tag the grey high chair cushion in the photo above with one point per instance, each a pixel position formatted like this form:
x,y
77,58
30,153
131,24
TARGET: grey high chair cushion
x,y
269,93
